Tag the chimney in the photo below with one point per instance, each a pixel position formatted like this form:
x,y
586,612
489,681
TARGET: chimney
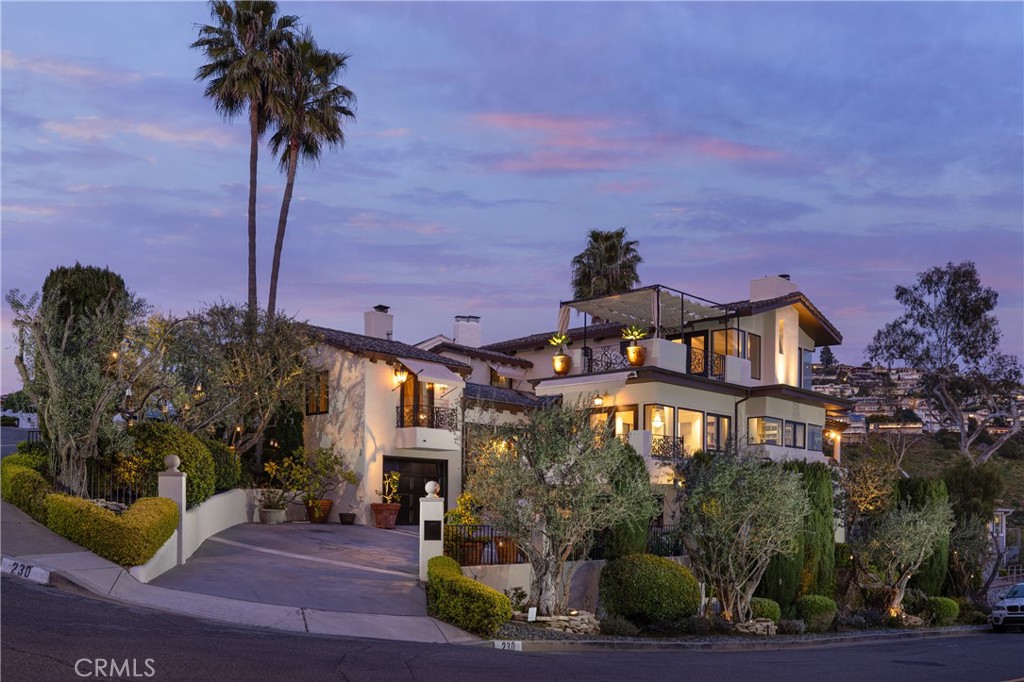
x,y
771,286
379,323
467,330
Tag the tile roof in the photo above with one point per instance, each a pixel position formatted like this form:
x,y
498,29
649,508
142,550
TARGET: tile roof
x,y
595,331
829,334
481,354
372,346
505,396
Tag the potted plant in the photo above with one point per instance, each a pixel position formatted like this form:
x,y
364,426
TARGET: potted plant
x,y
561,362
324,472
280,491
385,512
635,353
348,518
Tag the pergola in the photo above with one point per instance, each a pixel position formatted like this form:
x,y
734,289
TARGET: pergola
x,y
662,308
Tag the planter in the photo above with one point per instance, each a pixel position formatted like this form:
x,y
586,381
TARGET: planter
x,y
347,518
317,510
505,549
273,515
636,355
384,515
471,552
561,363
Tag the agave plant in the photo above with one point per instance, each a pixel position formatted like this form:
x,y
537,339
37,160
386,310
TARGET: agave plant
x,y
634,333
559,340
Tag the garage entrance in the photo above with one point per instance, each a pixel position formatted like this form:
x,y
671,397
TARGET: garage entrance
x,y
414,475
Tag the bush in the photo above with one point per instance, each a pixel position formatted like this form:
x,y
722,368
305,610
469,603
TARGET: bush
x,y
843,556
31,455
130,539
462,601
156,440
942,610
647,589
914,601
227,465
792,627
617,625
817,611
9,421
765,608
23,486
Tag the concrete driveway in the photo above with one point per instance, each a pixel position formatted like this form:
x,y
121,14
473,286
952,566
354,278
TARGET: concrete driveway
x,y
321,566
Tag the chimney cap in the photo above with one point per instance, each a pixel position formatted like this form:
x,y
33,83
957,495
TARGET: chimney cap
x,y
784,276
468,318
381,308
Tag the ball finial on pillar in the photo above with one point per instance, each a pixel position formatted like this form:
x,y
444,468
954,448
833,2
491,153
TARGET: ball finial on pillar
x,y
432,487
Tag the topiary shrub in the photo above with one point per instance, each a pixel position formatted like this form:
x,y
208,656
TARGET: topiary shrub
x,y
31,455
648,589
227,465
156,440
765,608
942,610
462,601
23,486
817,611
130,539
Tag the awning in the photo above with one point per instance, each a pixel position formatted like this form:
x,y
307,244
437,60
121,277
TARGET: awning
x,y
516,373
584,383
432,372
655,306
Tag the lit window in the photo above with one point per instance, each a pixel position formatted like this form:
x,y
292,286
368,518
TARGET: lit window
x,y
317,395
764,431
795,435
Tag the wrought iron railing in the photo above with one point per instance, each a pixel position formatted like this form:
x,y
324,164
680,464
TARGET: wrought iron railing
x,y
428,417
480,545
667,447
707,364
124,483
607,359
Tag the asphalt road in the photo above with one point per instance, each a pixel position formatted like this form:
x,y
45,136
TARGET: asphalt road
x,y
10,436
46,633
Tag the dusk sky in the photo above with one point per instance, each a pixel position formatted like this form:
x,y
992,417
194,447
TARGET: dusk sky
x,y
849,145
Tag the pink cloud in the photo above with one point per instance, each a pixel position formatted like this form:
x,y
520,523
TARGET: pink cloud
x,y
629,187
65,70
93,128
738,151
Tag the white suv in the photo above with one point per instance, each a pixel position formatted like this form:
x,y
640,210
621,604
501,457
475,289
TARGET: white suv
x,y
1009,610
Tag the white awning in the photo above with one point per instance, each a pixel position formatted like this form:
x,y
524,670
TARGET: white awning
x,y
653,306
516,373
584,383
432,372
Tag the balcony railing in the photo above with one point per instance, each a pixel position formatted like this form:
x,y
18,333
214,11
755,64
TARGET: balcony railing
x,y
609,359
427,417
667,447
707,364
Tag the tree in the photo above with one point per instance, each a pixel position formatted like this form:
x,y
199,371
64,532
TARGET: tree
x,y
308,111
18,401
827,358
244,49
545,483
948,331
737,512
931,574
607,265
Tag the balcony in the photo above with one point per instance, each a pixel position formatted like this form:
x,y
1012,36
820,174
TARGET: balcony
x,y
426,428
667,448
664,355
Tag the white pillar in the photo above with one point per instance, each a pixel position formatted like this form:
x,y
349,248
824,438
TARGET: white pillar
x,y
431,527
171,484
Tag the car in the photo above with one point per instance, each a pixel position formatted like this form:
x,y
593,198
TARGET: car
x,y
1009,610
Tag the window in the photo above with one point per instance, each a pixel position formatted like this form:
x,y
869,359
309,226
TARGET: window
x,y
754,353
718,431
806,369
317,395
814,437
499,381
659,419
729,342
764,430
690,428
416,403
625,420
795,435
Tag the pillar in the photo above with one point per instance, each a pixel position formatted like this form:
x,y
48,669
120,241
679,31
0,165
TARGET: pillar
x,y
171,484
431,527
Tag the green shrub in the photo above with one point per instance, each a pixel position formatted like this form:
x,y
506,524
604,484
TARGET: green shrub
x,y
647,589
130,539
932,573
843,556
31,455
227,465
765,608
9,421
617,625
792,627
817,611
24,487
942,610
156,440
462,601
915,601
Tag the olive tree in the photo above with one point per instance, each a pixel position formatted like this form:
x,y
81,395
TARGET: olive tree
x,y
547,483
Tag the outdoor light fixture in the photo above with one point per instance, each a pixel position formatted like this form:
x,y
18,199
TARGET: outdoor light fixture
x,y
598,401
401,374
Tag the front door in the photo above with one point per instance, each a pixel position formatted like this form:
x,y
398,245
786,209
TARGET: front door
x,y
414,474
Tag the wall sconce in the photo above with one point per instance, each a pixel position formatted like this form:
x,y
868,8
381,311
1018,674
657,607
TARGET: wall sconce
x,y
401,374
598,401
441,388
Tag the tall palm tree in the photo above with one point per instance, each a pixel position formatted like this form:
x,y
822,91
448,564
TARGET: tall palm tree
x,y
244,49
308,111
606,266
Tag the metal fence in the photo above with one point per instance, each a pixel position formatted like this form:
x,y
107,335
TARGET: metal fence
x,y
428,417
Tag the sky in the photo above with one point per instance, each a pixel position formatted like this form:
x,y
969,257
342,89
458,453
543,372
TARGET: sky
x,y
849,145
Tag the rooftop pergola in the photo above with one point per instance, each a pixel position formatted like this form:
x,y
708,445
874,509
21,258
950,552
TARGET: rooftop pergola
x,y
662,308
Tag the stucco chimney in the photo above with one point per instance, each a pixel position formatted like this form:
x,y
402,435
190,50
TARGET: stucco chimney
x,y
467,330
771,286
378,322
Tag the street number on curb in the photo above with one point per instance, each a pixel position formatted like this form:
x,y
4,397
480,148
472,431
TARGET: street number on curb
x,y
27,571
508,645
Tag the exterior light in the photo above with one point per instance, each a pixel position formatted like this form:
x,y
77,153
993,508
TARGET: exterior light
x,y
598,401
441,387
401,374
113,355
238,429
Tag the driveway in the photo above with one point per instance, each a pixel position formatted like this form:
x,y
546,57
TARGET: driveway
x,y
329,567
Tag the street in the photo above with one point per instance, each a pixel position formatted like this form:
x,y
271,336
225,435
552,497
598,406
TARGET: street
x,y
47,632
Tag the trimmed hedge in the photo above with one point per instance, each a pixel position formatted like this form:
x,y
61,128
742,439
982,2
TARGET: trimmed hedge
x,y
130,539
942,610
227,465
817,611
765,608
24,487
156,440
462,601
32,455
648,589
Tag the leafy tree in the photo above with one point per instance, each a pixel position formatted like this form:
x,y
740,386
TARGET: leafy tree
x,y
308,111
244,48
827,358
868,486
948,331
970,551
931,574
18,401
544,483
737,512
607,265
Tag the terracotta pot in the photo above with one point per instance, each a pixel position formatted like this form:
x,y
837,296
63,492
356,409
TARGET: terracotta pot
x,y
506,550
385,515
347,518
273,515
561,363
636,355
317,510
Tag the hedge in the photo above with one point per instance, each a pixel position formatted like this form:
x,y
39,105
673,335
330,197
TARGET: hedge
x,y
932,573
156,440
765,608
462,601
130,539
942,610
648,589
817,611
23,486
227,465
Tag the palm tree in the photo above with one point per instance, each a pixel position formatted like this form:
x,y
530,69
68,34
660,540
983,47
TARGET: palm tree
x,y
606,266
308,111
244,50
